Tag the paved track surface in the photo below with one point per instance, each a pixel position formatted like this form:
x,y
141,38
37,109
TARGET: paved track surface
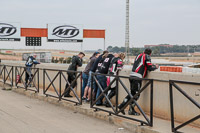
x,y
21,114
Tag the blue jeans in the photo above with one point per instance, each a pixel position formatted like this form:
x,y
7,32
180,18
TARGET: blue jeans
x,y
102,81
85,81
89,79
89,84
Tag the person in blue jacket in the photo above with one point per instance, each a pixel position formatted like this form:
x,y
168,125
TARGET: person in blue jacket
x,y
29,63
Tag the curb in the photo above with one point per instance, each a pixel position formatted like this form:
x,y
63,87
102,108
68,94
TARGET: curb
x,y
127,124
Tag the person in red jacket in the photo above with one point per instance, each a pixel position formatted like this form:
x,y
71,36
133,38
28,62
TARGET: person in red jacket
x,y
141,64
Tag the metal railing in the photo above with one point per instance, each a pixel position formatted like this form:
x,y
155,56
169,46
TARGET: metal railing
x,y
7,73
173,84
1,72
59,93
115,109
33,81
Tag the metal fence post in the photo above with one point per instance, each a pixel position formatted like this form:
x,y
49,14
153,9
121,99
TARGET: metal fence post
x,y
15,76
151,104
91,97
60,83
12,76
28,78
4,80
117,89
81,85
43,81
38,80
171,105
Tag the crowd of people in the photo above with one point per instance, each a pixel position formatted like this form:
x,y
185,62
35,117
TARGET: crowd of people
x,y
112,64
102,64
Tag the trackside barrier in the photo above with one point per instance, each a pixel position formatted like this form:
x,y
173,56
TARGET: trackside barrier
x,y
114,108
171,68
173,84
32,84
1,72
7,76
7,73
59,93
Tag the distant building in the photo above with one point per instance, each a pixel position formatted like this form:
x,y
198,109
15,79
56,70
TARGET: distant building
x,y
163,45
44,57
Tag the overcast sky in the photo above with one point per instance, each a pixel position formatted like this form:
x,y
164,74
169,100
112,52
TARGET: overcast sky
x,y
151,21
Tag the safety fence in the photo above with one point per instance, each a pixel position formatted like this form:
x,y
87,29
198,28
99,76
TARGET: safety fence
x,y
173,84
115,110
7,73
29,79
55,83
31,76
59,77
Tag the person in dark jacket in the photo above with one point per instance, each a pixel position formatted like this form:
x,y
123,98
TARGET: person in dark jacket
x,y
76,62
86,76
95,65
93,70
102,68
141,64
29,63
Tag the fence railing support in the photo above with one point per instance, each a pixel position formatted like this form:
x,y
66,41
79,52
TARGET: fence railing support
x,y
173,84
31,77
58,91
115,110
7,74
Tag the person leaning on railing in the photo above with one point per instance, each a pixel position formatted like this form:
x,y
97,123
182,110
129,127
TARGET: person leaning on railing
x,y
102,68
93,70
116,65
86,76
76,62
141,64
29,63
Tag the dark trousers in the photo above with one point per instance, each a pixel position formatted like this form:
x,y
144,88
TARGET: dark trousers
x,y
94,86
135,86
28,75
71,77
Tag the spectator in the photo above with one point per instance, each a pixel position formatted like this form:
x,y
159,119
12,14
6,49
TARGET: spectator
x,y
76,62
29,63
86,76
93,70
115,66
141,64
95,65
102,68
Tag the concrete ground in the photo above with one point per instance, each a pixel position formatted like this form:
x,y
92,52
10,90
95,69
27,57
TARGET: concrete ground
x,y
26,114
21,114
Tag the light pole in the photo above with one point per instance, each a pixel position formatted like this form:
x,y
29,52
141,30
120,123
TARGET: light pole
x,y
127,32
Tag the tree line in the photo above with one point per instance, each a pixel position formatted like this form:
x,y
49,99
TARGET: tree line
x,y
159,50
